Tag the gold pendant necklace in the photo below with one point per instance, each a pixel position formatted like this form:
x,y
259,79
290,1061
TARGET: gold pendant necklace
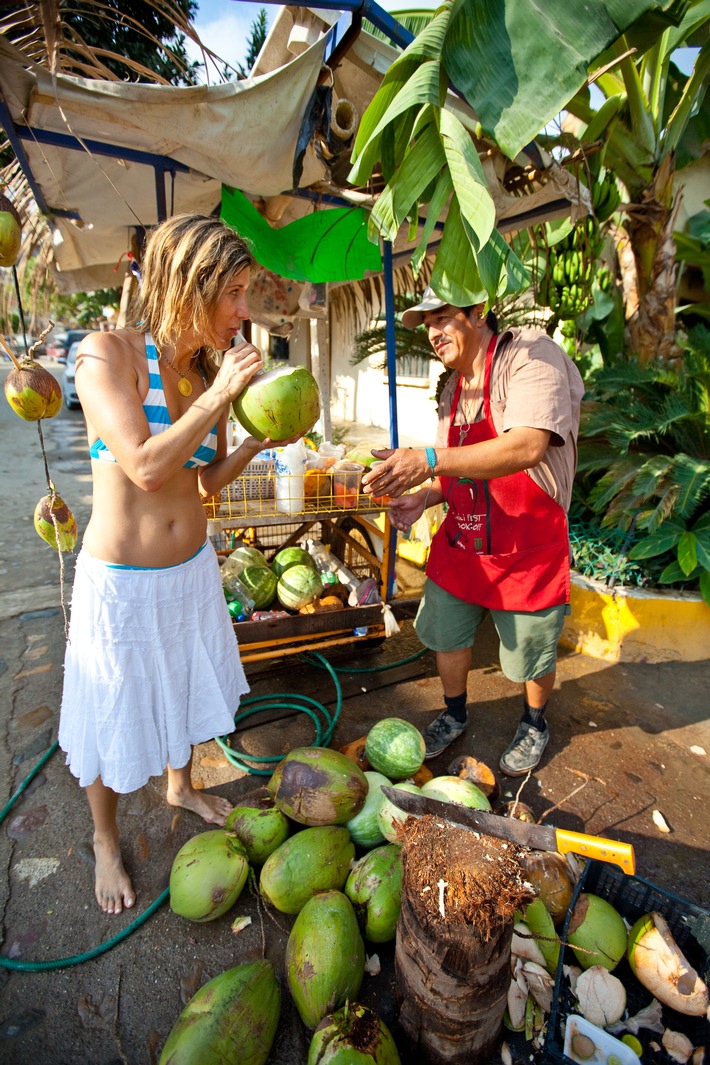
x,y
184,386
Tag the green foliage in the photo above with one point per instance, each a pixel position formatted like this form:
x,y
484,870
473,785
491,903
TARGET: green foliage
x,y
644,460
257,36
85,309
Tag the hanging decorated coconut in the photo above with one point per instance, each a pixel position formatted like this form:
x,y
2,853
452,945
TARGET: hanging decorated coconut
x,y
10,232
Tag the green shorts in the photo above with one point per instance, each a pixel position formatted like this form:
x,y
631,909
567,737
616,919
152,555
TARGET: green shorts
x,y
528,641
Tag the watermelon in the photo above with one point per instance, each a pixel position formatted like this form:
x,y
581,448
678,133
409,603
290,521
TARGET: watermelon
x,y
243,555
298,587
261,583
395,747
292,556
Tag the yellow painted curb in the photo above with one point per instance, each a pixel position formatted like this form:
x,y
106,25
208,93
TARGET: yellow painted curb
x,y
636,625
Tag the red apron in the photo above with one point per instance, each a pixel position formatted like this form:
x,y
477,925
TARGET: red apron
x,y
504,543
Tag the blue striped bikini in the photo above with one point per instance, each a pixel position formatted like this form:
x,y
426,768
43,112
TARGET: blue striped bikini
x,y
156,411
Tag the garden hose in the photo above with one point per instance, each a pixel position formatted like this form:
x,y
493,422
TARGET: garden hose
x,y
258,704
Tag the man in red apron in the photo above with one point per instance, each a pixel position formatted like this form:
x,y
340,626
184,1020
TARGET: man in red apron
x,y
503,461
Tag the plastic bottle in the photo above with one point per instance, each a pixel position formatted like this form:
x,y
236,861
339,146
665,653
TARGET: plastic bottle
x,y
239,601
324,563
290,468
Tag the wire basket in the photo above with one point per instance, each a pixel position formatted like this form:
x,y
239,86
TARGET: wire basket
x,y
260,493
633,897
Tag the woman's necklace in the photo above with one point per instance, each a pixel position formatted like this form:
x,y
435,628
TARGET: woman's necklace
x,y
184,386
469,410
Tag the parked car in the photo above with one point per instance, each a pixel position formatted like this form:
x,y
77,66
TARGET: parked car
x,y
71,398
61,342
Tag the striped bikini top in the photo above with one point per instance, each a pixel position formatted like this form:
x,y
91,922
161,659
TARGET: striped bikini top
x,y
156,411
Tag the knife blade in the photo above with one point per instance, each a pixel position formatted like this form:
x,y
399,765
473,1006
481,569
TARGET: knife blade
x,y
537,837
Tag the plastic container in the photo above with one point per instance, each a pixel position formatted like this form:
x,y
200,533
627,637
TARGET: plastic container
x,y
606,1047
290,469
239,601
331,452
347,477
324,563
380,501
632,897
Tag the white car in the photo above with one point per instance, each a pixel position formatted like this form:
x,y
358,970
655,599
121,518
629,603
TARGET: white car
x,y
71,399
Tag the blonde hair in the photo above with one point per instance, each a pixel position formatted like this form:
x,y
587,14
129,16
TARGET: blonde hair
x,y
188,262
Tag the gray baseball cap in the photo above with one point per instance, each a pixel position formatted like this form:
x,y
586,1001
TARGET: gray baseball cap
x,y
414,316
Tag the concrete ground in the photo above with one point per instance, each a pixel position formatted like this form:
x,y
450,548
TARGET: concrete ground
x,y
627,740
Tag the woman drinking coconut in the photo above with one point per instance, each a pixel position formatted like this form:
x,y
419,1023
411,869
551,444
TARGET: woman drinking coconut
x,y
152,665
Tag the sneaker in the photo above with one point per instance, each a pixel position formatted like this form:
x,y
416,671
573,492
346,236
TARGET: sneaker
x,y
525,752
443,730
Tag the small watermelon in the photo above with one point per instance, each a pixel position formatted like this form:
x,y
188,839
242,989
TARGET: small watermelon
x,y
261,583
243,555
298,587
395,747
291,556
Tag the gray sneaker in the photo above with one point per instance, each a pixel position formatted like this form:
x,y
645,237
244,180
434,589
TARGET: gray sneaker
x,y
443,730
525,752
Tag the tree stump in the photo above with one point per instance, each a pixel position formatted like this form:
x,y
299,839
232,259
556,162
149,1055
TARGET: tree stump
x,y
460,892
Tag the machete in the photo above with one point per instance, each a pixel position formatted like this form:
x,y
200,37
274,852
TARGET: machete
x,y
537,837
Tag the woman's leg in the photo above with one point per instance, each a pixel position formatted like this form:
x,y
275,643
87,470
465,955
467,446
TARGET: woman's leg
x,y
212,808
114,889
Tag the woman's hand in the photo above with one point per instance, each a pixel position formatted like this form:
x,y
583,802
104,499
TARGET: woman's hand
x,y
239,364
401,469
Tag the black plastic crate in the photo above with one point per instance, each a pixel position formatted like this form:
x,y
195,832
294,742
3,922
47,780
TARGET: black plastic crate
x,y
633,897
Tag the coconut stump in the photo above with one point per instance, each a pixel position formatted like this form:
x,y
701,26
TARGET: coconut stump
x,y
460,893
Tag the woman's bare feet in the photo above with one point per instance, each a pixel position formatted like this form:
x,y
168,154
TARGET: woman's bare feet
x,y
211,808
114,889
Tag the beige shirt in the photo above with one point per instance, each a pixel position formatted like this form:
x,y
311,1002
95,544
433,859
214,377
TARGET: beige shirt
x,y
535,384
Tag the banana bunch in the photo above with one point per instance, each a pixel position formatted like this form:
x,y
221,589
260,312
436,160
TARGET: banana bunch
x,y
605,196
566,286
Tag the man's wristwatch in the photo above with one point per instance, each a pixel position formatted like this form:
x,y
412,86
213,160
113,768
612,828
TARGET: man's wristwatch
x,y
431,460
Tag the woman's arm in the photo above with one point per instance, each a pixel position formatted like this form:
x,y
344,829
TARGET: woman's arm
x,y
107,382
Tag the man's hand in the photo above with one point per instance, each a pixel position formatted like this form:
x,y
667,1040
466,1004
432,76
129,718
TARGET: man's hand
x,y
404,512
402,468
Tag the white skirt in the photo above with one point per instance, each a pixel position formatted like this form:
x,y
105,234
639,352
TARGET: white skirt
x,y
151,668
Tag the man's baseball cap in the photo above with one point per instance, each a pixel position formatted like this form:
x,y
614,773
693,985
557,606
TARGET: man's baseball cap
x,y
414,316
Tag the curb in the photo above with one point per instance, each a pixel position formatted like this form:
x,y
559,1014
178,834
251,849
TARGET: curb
x,y
636,625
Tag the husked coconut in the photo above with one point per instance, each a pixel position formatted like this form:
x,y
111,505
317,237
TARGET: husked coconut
x,y
660,965
601,996
677,1046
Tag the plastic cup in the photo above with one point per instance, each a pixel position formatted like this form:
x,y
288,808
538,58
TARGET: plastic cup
x,y
379,501
347,477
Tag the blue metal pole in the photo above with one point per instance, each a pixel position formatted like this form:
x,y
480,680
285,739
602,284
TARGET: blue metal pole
x,y
390,340
366,9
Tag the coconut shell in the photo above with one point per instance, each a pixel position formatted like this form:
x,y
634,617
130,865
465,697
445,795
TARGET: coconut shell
x,y
10,232
55,523
660,965
353,1033
313,860
207,875
551,880
318,786
596,932
260,827
374,887
355,751
33,392
477,773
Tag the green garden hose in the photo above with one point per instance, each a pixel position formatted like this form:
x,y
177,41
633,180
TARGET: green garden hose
x,y
257,704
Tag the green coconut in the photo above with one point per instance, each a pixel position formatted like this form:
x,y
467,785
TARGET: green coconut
x,y
55,523
374,887
390,818
315,859
207,875
353,1035
231,1020
363,827
596,932
318,786
259,825
33,392
10,232
279,404
456,790
325,956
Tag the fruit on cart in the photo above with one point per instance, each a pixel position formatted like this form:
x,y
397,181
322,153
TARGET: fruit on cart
x,y
596,932
291,556
231,1020
363,827
318,786
661,966
55,523
354,1034
259,824
344,496
10,232
32,391
390,818
207,875
395,747
261,583
456,790
279,404
325,956
298,586
313,860
244,555
323,606
374,887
